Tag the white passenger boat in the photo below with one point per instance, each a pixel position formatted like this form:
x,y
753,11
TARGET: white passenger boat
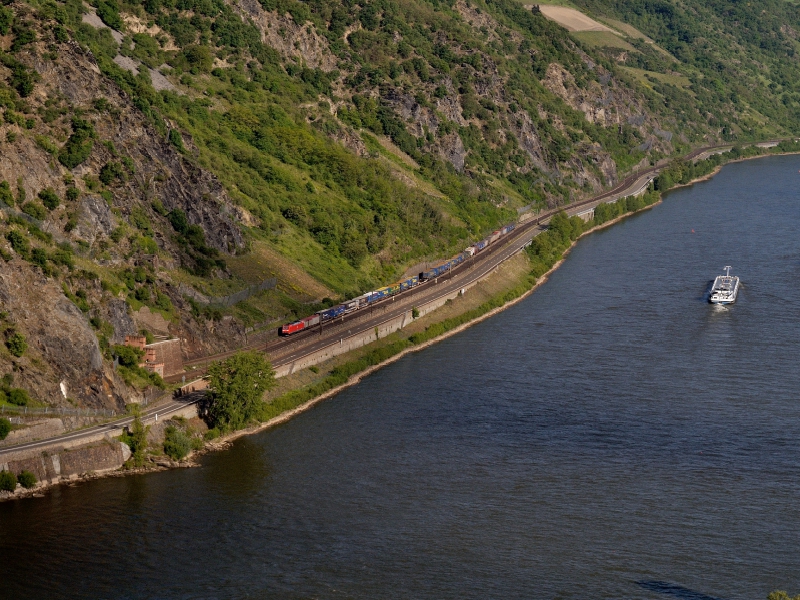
x,y
725,288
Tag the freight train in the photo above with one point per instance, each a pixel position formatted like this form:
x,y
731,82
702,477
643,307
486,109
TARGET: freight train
x,y
370,298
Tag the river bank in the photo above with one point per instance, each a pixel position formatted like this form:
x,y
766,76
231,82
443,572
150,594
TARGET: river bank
x,y
506,286
509,292
225,440
530,455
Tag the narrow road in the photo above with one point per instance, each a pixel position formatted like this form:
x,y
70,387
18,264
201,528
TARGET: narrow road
x,y
97,432
282,351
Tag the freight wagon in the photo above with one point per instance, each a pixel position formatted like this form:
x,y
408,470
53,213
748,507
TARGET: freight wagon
x,y
409,283
332,312
390,290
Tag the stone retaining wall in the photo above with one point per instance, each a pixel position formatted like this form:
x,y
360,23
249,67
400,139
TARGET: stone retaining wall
x,y
346,344
52,467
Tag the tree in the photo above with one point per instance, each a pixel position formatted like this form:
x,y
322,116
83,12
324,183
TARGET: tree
x,y
137,436
176,443
238,385
26,479
5,428
8,481
79,145
128,356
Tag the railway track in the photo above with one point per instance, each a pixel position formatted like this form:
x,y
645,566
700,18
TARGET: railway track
x,y
283,351
277,348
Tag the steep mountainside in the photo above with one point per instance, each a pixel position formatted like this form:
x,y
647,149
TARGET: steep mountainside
x,y
741,58
158,157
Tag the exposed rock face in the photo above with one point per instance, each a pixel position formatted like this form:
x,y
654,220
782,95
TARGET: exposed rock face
x,y
350,139
603,102
452,150
418,116
160,171
561,82
95,219
61,345
153,321
116,312
450,105
529,139
287,37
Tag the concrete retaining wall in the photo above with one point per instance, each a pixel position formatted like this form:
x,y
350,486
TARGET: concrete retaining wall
x,y
352,342
52,467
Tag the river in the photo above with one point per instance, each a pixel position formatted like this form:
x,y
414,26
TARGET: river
x,y
611,436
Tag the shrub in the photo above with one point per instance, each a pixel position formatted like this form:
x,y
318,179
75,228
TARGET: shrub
x,y
111,171
79,145
49,198
176,443
128,357
22,80
8,481
6,19
19,397
5,428
39,257
177,219
6,197
35,210
142,294
176,139
73,193
16,344
63,257
19,243
26,479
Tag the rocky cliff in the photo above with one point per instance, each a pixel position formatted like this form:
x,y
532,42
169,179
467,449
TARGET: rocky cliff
x,y
158,155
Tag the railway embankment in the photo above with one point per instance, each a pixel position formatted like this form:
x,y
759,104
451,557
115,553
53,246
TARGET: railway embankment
x,y
323,373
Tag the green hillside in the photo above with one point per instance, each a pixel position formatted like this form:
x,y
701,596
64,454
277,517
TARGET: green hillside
x,y
741,57
158,157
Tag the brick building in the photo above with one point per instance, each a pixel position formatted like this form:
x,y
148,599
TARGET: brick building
x,y
136,341
163,358
166,353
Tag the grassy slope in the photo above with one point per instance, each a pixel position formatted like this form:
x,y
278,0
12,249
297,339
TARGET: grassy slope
x,y
328,222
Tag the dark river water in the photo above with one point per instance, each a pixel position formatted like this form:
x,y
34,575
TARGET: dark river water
x,y
612,436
